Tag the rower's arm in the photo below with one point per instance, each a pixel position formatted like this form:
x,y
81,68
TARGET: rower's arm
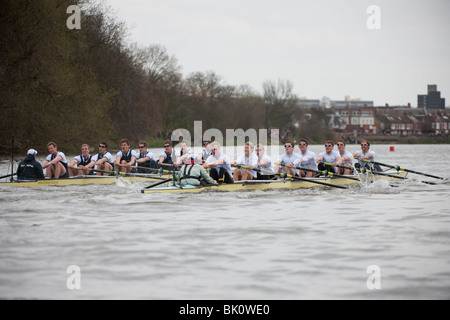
x,y
73,163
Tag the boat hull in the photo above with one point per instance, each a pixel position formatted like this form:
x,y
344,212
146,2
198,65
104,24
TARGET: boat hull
x,y
83,180
288,184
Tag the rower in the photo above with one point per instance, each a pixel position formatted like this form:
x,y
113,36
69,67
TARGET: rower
x,y
29,168
206,152
365,154
306,159
56,163
125,158
166,157
330,156
248,159
79,164
193,174
345,160
145,159
264,162
103,160
221,168
287,159
183,154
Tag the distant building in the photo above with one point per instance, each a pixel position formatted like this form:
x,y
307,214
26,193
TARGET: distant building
x,y
347,103
432,100
307,103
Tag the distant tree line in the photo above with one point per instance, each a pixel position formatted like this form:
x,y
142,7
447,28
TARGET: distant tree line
x,y
90,85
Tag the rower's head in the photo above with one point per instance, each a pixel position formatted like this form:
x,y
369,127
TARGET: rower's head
x,y
52,148
289,147
329,146
85,149
142,146
102,147
341,145
215,149
207,144
260,150
365,145
168,146
248,149
303,145
125,145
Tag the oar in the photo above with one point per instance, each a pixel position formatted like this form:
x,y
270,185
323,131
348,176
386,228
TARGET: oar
x,y
8,175
324,173
160,171
365,170
123,174
158,183
284,175
338,165
262,171
398,168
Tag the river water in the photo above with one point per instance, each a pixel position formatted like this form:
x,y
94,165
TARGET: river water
x,y
373,242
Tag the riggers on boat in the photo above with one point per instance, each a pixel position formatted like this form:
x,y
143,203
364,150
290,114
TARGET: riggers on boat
x,y
84,180
288,183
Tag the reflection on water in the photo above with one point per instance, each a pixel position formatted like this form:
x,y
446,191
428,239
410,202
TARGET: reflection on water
x,y
253,245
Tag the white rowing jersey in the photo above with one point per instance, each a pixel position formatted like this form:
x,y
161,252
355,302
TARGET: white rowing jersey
x,y
286,159
226,163
363,163
330,158
164,155
307,160
82,160
62,155
129,155
107,155
347,163
146,154
248,161
268,165
180,153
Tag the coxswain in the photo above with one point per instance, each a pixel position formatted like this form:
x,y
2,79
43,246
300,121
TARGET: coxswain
x,y
79,164
288,159
248,159
103,160
145,159
330,156
29,168
219,164
306,159
125,158
56,163
193,174
345,160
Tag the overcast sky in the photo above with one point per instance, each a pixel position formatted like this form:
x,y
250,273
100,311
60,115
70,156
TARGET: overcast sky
x,y
323,47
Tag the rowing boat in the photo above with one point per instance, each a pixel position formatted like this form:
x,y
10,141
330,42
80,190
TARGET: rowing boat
x,y
264,185
83,180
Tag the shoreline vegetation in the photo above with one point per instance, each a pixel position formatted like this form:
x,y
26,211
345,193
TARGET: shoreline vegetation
x,y
75,86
